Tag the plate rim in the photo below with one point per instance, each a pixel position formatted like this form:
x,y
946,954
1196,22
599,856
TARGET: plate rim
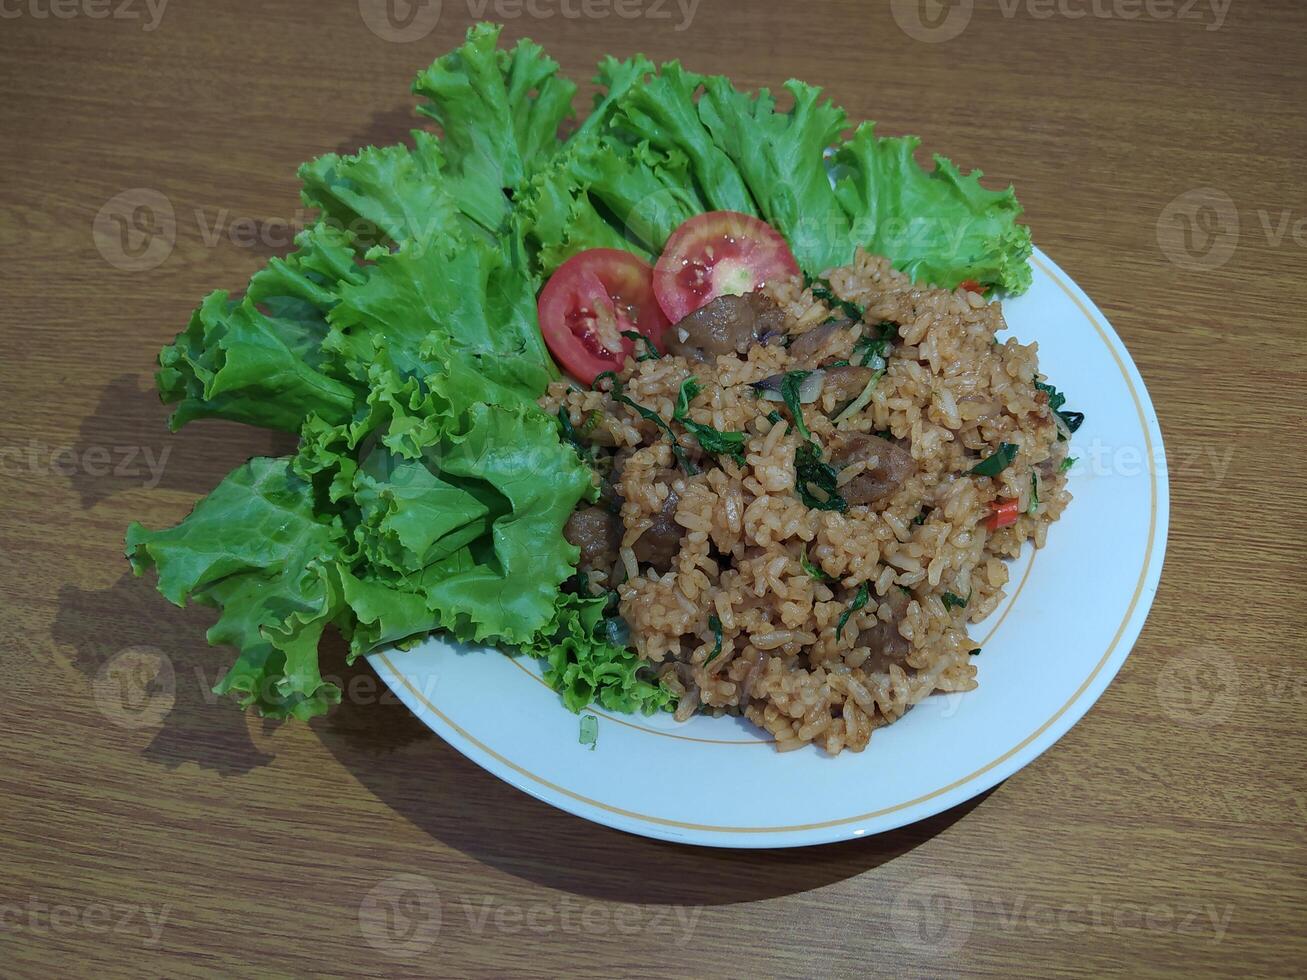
x,y
1010,761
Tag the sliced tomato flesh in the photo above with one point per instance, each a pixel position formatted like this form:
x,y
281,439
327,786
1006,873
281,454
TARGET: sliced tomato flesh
x,y
590,302
718,254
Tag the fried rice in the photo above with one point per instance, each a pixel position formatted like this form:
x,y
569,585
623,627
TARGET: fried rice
x,y
742,614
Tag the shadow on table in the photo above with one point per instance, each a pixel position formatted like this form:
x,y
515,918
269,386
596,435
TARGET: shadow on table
x,y
125,444
397,758
386,127
465,807
101,629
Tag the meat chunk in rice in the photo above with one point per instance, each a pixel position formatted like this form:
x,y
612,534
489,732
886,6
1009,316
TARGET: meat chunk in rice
x,y
847,382
887,644
658,545
886,467
805,347
598,533
727,325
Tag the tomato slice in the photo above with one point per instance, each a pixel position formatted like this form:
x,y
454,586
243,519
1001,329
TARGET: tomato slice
x,y
717,254
589,302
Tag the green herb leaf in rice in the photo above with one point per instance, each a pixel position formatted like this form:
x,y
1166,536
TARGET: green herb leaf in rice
x,y
617,393
715,625
816,482
712,441
859,601
814,571
794,400
650,352
996,462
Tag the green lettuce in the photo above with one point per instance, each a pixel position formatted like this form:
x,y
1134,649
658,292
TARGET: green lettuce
x,y
500,111
662,111
257,548
475,296
512,596
429,491
259,359
396,194
566,218
586,668
781,156
939,226
666,144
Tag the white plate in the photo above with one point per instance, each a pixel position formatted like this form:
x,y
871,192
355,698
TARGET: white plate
x,y
1073,612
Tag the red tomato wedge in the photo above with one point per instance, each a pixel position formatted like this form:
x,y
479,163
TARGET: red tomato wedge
x,y
716,254
589,302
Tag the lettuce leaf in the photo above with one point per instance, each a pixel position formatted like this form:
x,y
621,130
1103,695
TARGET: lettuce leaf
x,y
647,192
257,549
499,110
781,157
476,296
615,78
532,483
466,537
587,669
665,145
258,360
565,217
662,111
940,226
411,517
395,194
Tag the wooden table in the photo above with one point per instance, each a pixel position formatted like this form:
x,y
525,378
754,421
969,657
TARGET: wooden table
x,y
1163,835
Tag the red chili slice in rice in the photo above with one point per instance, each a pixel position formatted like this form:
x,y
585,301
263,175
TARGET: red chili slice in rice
x,y
1003,513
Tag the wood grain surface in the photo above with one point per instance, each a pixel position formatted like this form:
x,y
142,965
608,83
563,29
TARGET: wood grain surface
x,y
1158,148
